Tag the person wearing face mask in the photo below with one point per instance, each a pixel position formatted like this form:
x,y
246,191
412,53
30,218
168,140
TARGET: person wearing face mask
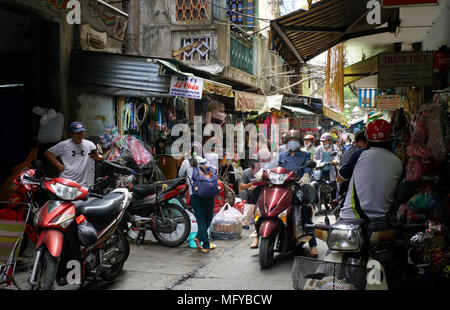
x,y
309,147
323,155
294,159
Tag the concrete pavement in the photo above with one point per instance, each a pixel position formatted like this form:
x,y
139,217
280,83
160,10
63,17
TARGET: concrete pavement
x,y
231,266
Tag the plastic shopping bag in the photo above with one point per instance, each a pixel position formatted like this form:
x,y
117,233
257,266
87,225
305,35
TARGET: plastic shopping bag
x,y
227,224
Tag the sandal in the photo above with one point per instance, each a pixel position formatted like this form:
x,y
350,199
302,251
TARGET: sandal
x,y
197,242
212,246
255,244
204,250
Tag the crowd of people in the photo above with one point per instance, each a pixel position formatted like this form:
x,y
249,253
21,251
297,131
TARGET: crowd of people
x,y
364,172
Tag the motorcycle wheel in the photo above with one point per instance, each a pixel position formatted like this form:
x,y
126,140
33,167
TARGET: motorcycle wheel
x,y
180,235
46,271
266,252
115,270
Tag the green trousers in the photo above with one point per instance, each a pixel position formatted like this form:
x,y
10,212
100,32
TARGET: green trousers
x,y
204,211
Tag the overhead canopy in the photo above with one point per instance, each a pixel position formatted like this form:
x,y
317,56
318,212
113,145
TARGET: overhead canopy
x,y
304,34
210,87
248,102
335,115
360,70
298,110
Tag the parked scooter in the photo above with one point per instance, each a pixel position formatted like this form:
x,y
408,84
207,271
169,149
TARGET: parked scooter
x,y
22,198
370,255
151,209
99,245
321,182
278,224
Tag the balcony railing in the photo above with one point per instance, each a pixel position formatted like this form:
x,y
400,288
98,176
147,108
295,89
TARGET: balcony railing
x,y
241,56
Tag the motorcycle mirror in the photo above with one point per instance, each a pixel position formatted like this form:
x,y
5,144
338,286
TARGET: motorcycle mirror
x,y
38,165
333,154
311,164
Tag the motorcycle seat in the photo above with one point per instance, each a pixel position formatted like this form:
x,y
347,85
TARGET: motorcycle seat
x,y
101,212
379,231
143,190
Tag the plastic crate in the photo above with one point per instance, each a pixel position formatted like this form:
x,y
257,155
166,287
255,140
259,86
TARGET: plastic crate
x,y
313,274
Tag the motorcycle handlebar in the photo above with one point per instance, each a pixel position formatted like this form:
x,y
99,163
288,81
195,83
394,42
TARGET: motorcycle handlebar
x,y
32,179
320,226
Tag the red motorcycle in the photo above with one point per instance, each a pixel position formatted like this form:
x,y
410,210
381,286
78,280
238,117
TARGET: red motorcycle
x,y
77,238
23,197
278,224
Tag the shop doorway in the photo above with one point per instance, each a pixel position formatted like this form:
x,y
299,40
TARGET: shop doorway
x,y
29,76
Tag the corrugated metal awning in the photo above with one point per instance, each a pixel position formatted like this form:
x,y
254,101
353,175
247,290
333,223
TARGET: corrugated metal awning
x,y
304,34
118,71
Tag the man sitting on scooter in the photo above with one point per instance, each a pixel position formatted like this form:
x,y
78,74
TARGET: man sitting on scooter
x,y
294,159
373,176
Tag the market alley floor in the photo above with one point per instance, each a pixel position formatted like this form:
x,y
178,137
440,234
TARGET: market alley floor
x,y
231,266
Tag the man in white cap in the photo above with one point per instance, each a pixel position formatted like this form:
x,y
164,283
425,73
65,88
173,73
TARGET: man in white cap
x,y
77,156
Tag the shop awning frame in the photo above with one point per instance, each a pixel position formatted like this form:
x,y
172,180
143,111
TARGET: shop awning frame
x,y
302,35
298,110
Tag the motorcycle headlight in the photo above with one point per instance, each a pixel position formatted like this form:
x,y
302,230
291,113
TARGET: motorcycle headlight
x,y
65,192
345,238
276,178
326,189
316,175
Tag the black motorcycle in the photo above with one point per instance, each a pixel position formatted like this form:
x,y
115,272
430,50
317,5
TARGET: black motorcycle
x,y
323,185
151,208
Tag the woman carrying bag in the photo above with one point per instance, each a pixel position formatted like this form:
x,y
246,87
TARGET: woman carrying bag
x,y
203,187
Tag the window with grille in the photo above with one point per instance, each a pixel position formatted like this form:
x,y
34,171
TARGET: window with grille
x,y
199,52
191,10
242,13
241,56
236,9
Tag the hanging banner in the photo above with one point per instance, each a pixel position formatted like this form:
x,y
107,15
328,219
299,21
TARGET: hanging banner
x,y
188,87
388,102
401,3
441,60
405,69
309,123
212,87
367,97
247,102
335,115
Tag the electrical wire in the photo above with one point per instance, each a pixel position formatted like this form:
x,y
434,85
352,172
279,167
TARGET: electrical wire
x,y
235,12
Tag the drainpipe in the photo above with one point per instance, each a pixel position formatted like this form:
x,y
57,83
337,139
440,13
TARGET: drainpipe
x,y
130,47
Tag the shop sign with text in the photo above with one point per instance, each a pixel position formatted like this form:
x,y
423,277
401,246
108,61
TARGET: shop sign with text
x,y
388,102
188,87
405,69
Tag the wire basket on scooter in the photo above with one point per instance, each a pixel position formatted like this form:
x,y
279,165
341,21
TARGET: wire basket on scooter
x,y
313,274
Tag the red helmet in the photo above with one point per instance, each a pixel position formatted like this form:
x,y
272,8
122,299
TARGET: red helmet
x,y
293,134
379,131
308,137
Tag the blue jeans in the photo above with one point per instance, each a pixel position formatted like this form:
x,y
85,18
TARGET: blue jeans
x,y
204,211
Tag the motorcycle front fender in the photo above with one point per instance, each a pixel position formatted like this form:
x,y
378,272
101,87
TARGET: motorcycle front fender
x,y
53,239
269,227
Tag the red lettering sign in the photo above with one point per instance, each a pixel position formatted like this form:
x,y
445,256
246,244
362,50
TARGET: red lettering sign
x,y
399,3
